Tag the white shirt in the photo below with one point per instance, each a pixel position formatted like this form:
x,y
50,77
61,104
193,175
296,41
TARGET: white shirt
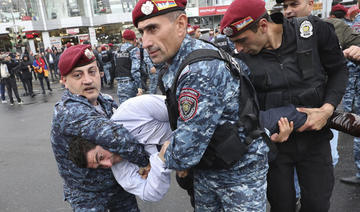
x,y
147,120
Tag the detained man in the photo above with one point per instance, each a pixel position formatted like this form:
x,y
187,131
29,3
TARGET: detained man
x,y
146,119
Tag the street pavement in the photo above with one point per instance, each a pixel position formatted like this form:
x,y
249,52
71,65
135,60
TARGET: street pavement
x,y
29,180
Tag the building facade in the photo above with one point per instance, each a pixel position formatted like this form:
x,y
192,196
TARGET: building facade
x,y
49,23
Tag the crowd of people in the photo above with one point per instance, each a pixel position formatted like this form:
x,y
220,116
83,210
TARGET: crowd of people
x,y
242,119
25,68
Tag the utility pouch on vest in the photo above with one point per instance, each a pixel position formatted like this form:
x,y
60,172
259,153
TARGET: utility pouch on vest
x,y
304,46
305,63
225,148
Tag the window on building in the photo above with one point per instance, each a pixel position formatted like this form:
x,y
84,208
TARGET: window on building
x,y
25,10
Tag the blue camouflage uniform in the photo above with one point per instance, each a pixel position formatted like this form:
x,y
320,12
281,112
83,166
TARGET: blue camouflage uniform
x,y
92,189
351,103
127,87
356,23
351,99
153,77
213,93
230,44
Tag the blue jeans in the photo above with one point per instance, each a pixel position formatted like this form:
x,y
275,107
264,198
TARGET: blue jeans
x,y
2,90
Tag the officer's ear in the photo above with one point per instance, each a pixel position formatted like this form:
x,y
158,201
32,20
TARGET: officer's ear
x,y
263,25
63,81
101,73
181,24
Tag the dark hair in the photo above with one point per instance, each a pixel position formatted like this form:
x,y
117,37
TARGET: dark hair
x,y
338,13
78,147
172,16
254,27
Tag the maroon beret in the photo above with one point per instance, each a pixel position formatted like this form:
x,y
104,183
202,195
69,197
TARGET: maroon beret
x,y
190,29
128,34
240,15
338,7
75,56
145,9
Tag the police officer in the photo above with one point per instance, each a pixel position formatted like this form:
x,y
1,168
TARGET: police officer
x,y
106,60
127,68
295,61
348,39
351,99
206,96
85,112
153,72
223,42
147,70
112,49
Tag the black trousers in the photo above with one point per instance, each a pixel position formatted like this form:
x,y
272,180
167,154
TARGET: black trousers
x,y
41,78
310,154
52,71
21,77
28,82
11,86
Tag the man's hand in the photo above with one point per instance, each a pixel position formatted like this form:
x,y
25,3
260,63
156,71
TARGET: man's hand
x,y
316,117
352,53
153,70
285,129
163,150
182,174
140,92
144,171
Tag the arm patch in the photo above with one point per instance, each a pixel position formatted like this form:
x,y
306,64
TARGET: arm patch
x,y
188,103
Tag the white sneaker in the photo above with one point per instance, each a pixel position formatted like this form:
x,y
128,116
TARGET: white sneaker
x,y
20,103
3,101
11,104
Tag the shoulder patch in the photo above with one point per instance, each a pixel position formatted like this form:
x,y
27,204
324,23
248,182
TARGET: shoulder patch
x,y
188,103
306,29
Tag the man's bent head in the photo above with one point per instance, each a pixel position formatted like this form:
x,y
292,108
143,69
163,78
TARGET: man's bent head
x,y
245,23
88,155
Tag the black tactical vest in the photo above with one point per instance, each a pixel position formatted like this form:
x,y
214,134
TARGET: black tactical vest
x,y
123,63
105,56
223,43
225,147
281,77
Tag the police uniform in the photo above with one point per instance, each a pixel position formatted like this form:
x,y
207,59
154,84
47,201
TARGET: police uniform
x,y
279,81
152,76
351,99
224,42
207,96
106,60
89,189
127,71
351,103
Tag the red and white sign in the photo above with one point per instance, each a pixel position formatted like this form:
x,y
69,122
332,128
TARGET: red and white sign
x,y
215,10
72,31
83,38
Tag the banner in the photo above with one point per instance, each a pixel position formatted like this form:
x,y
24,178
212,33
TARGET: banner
x,y
215,10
